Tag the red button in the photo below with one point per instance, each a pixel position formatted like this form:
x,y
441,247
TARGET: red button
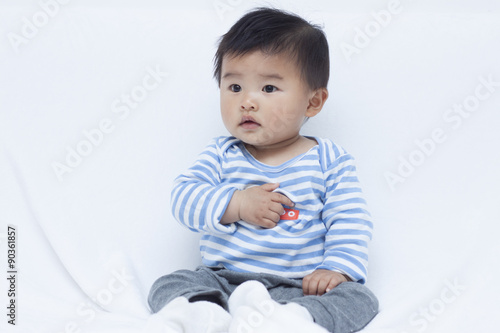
x,y
290,214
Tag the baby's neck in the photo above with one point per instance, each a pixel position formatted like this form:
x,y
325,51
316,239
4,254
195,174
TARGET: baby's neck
x,y
278,154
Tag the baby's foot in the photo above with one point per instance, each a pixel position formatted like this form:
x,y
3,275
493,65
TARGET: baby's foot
x,y
254,311
181,316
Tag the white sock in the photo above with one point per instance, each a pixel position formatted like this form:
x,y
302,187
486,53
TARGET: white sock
x,y
181,316
254,311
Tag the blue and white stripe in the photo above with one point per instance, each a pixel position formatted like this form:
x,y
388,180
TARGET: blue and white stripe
x,y
333,229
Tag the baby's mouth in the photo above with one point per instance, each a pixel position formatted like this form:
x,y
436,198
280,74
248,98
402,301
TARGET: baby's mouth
x,y
248,122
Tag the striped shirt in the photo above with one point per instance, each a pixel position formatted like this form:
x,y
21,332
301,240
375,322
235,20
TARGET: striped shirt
x,y
328,228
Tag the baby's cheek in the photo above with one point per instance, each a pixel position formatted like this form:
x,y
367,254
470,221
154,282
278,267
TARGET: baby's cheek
x,y
282,121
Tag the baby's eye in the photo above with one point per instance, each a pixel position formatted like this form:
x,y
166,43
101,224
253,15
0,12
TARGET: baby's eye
x,y
235,88
269,88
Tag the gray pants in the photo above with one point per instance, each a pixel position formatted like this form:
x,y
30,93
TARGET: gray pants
x,y
346,308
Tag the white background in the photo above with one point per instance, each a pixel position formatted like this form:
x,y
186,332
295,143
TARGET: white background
x,y
59,80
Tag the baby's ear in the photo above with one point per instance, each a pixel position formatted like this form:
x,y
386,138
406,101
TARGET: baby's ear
x,y
316,102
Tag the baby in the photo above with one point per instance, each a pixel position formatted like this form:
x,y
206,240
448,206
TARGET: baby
x,y
276,208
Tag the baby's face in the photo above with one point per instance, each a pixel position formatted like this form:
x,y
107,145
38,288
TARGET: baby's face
x,y
264,100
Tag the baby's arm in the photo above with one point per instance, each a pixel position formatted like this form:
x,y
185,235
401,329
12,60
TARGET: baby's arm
x,y
349,228
199,197
202,202
257,205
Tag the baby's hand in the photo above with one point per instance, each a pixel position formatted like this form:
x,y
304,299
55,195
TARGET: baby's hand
x,y
321,281
260,206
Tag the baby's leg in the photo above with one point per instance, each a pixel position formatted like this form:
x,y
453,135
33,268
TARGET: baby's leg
x,y
189,302
346,308
199,285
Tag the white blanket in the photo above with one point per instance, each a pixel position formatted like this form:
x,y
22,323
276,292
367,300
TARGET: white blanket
x,y
103,104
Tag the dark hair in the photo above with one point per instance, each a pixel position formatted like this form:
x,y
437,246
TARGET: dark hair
x,y
273,31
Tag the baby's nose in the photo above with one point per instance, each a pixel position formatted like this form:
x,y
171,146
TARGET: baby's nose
x,y
248,104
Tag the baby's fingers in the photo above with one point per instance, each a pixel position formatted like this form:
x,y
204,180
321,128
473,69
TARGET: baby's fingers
x,y
282,199
269,187
267,223
277,208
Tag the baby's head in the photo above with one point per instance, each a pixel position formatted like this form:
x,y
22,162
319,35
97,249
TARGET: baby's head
x,y
272,68
272,32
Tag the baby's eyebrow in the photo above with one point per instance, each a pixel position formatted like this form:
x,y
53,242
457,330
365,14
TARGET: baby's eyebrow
x,y
275,76
272,76
230,74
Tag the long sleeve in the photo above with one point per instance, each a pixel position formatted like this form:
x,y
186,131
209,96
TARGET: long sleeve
x,y
331,230
199,198
348,222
